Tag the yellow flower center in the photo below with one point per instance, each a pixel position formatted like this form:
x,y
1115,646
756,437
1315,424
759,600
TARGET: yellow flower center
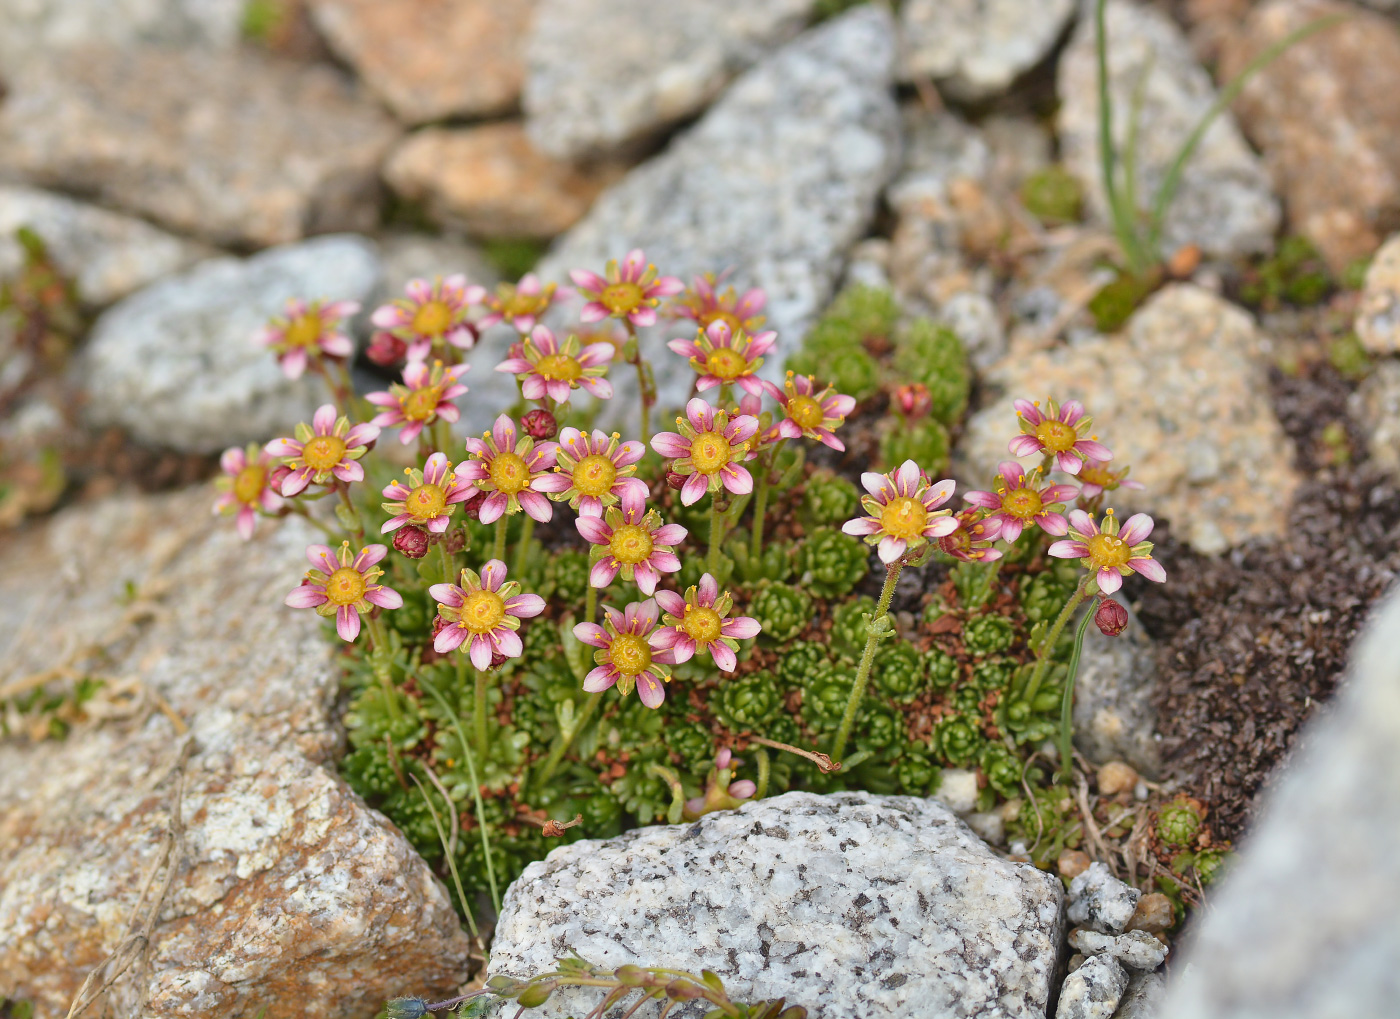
x,y
523,304
345,586
1108,550
805,411
560,366
432,319
709,318
426,502
509,473
904,518
630,655
620,298
304,331
701,624
1100,476
710,451
1022,503
249,483
1057,436
726,364
630,545
594,475
482,611
323,452
421,404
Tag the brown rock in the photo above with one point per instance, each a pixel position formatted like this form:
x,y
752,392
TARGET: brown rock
x,y
1072,863
1325,118
429,59
1153,914
490,181
233,147
1116,777
291,893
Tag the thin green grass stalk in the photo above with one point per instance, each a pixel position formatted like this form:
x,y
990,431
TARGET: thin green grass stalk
x,y
848,717
1067,703
447,851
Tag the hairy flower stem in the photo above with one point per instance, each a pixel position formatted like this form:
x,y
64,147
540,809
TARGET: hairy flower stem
x,y
848,717
590,604
643,389
522,549
1047,646
1067,703
379,658
824,764
498,548
329,532
358,526
449,565
561,747
716,536
479,712
760,498
765,769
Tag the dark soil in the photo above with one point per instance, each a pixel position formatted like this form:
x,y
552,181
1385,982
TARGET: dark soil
x,y
1252,642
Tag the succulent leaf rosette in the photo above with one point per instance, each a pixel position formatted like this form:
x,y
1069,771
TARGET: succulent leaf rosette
x,y
593,471
629,291
1020,500
429,497
634,542
520,305
628,654
810,413
548,368
507,469
424,396
432,315
249,484
708,450
1058,432
482,613
308,330
904,511
1109,551
700,621
342,585
328,447
722,355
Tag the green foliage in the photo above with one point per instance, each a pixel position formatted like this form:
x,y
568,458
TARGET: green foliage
x,y
1048,825
898,672
925,442
568,573
850,623
1002,768
828,498
773,563
1295,273
830,562
513,257
781,609
986,635
1346,354
958,740
975,584
749,702
1179,822
941,668
1116,300
824,696
1053,195
836,350
933,354
800,660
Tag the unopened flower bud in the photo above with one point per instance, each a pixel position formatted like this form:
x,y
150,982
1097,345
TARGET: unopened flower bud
x,y
539,424
386,349
1111,618
412,541
742,789
675,481
913,400
723,758
472,507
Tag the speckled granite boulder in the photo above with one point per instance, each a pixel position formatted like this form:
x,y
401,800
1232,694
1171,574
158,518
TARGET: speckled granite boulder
x,y
291,893
849,904
975,49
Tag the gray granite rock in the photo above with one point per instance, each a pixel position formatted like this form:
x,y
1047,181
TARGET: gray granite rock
x,y
1135,949
1376,407
1378,314
232,147
1143,998
777,181
974,49
603,73
107,255
176,366
1224,204
1113,714
850,904
1303,924
1101,901
1093,990
290,888
34,29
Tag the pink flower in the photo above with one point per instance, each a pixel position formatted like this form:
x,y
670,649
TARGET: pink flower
x,y
424,396
972,541
703,304
247,487
1095,479
432,315
913,400
1019,500
632,291
721,355
308,331
548,369
593,472
330,447
1058,432
701,622
635,543
522,304
1109,552
627,655
903,510
708,450
429,497
482,614
343,586
809,413
720,792
508,471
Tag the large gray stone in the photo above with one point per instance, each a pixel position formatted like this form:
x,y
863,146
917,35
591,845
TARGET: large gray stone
x,y
1114,719
975,49
1093,990
290,889
776,182
1224,203
107,255
850,904
176,366
1303,925
34,29
603,73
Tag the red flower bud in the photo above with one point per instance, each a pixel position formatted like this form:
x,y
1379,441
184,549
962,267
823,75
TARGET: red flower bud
x,y
675,481
539,424
913,400
1111,618
412,541
386,349
472,507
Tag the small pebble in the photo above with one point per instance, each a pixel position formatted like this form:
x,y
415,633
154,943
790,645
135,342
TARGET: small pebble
x,y
1076,960
1099,900
1072,863
1153,914
1136,949
1093,990
958,790
1116,777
